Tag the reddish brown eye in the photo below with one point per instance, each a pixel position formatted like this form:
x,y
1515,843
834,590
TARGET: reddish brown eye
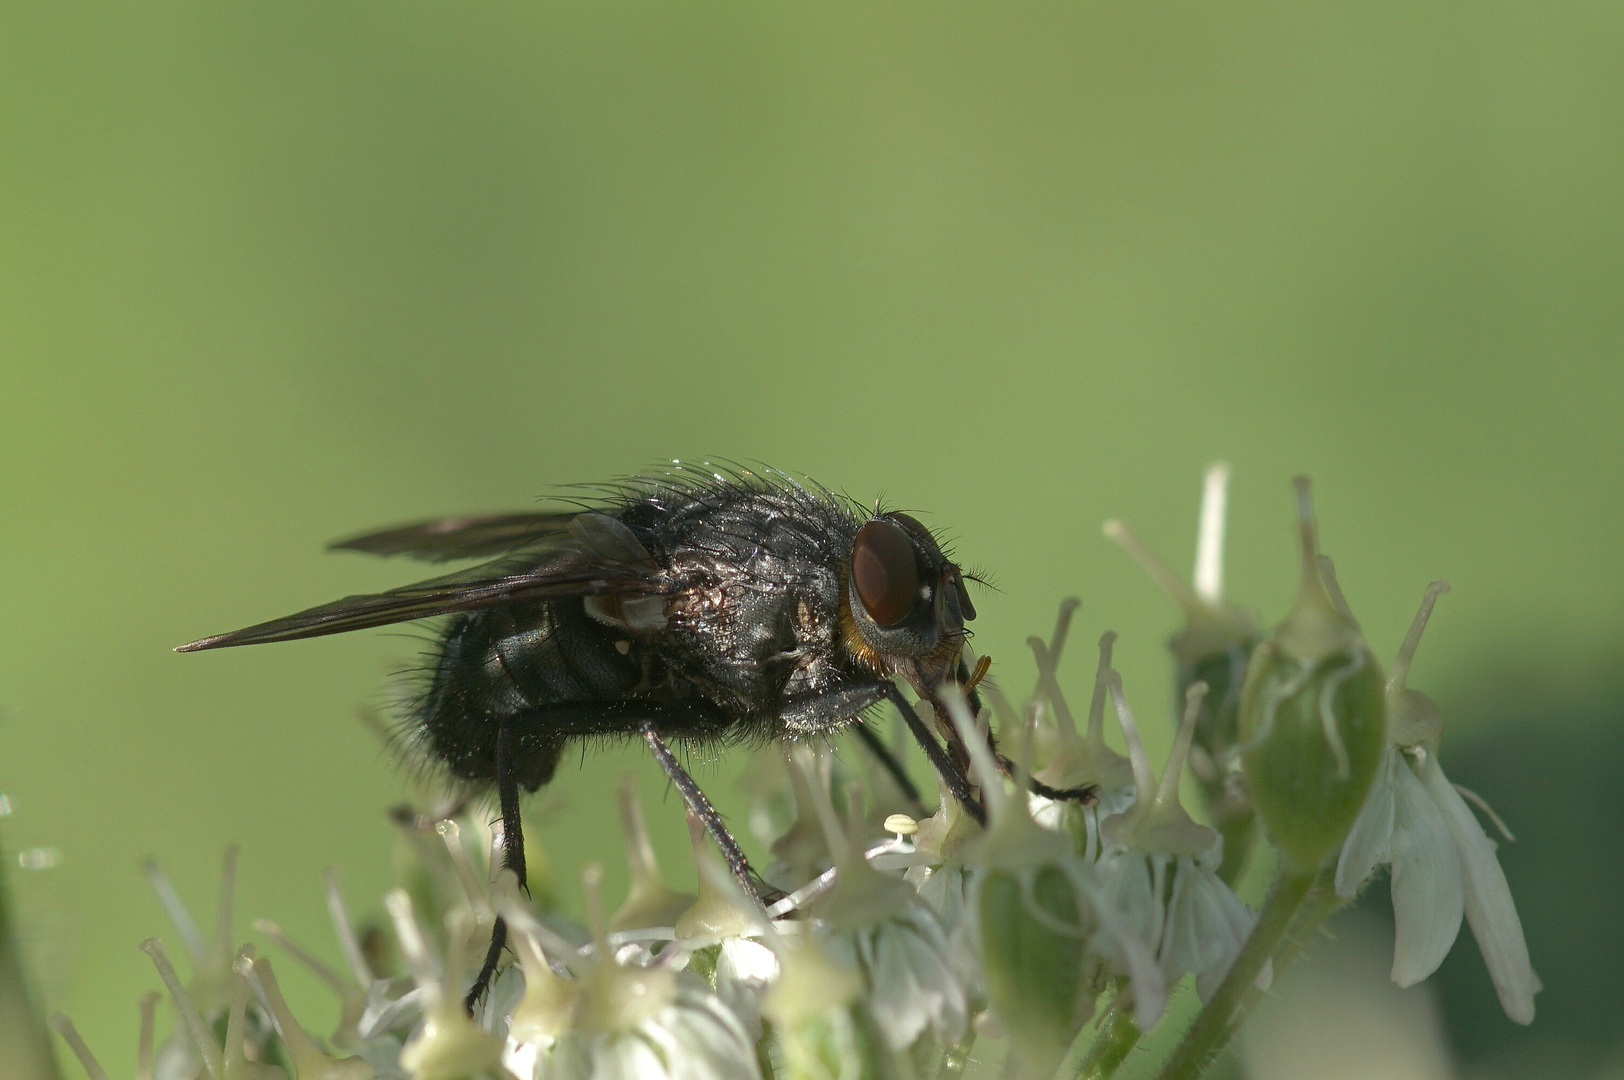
x,y
884,571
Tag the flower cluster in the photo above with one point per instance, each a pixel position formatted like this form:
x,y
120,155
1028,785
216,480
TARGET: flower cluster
x,y
1059,929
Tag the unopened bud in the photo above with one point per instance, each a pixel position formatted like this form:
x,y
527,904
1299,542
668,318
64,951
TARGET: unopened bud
x,y
1312,717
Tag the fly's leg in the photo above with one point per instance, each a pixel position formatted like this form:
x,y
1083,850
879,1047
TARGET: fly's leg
x,y
1085,794
702,809
888,761
951,772
507,793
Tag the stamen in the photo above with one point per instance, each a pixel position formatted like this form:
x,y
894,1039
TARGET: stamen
x,y
234,1057
1171,583
834,837
1168,792
1102,677
472,885
326,974
348,943
1049,687
413,948
175,908
1143,778
143,1046
1488,811
493,854
1311,592
1209,544
1062,628
981,762
901,826
309,1061
207,1048
64,1027
1400,671
592,886
640,857
1334,588
222,925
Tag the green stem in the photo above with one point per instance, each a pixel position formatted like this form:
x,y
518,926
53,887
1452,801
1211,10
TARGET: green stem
x,y
24,1044
1116,1040
1315,908
1215,1022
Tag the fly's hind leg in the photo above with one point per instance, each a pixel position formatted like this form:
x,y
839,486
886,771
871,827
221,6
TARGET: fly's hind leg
x,y
507,794
556,723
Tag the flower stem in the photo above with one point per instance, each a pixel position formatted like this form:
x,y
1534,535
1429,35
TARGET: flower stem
x,y
24,1044
1216,1021
1117,1038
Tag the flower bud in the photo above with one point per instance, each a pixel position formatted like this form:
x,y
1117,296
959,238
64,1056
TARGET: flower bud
x,y
1312,717
1212,647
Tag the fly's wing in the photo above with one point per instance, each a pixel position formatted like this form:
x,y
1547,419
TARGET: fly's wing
x,y
476,537
592,555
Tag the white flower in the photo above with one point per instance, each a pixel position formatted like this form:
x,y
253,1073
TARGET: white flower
x,y
693,1036
745,970
913,984
1034,904
1159,869
1443,864
722,917
877,924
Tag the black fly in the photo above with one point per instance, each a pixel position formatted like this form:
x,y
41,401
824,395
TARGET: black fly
x,y
693,607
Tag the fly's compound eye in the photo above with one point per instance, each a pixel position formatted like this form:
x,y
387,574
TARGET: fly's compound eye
x,y
885,572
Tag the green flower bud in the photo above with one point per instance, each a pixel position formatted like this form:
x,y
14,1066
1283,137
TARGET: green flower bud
x,y
1313,717
1034,950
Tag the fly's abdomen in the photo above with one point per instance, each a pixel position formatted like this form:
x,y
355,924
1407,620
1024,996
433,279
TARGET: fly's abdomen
x,y
502,663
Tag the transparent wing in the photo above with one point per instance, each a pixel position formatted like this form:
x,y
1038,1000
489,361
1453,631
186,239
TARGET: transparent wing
x,y
591,555
469,537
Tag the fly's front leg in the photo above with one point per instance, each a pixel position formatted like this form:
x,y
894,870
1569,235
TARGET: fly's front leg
x,y
951,773
1084,795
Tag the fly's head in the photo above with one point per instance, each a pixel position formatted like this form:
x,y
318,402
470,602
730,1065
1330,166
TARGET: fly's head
x,y
905,603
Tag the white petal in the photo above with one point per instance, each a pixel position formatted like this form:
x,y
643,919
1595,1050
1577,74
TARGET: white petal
x,y
1367,845
744,969
1489,908
1428,896
1128,955
913,981
1126,881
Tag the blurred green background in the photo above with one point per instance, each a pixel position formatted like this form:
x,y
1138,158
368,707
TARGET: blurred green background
x,y
273,273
